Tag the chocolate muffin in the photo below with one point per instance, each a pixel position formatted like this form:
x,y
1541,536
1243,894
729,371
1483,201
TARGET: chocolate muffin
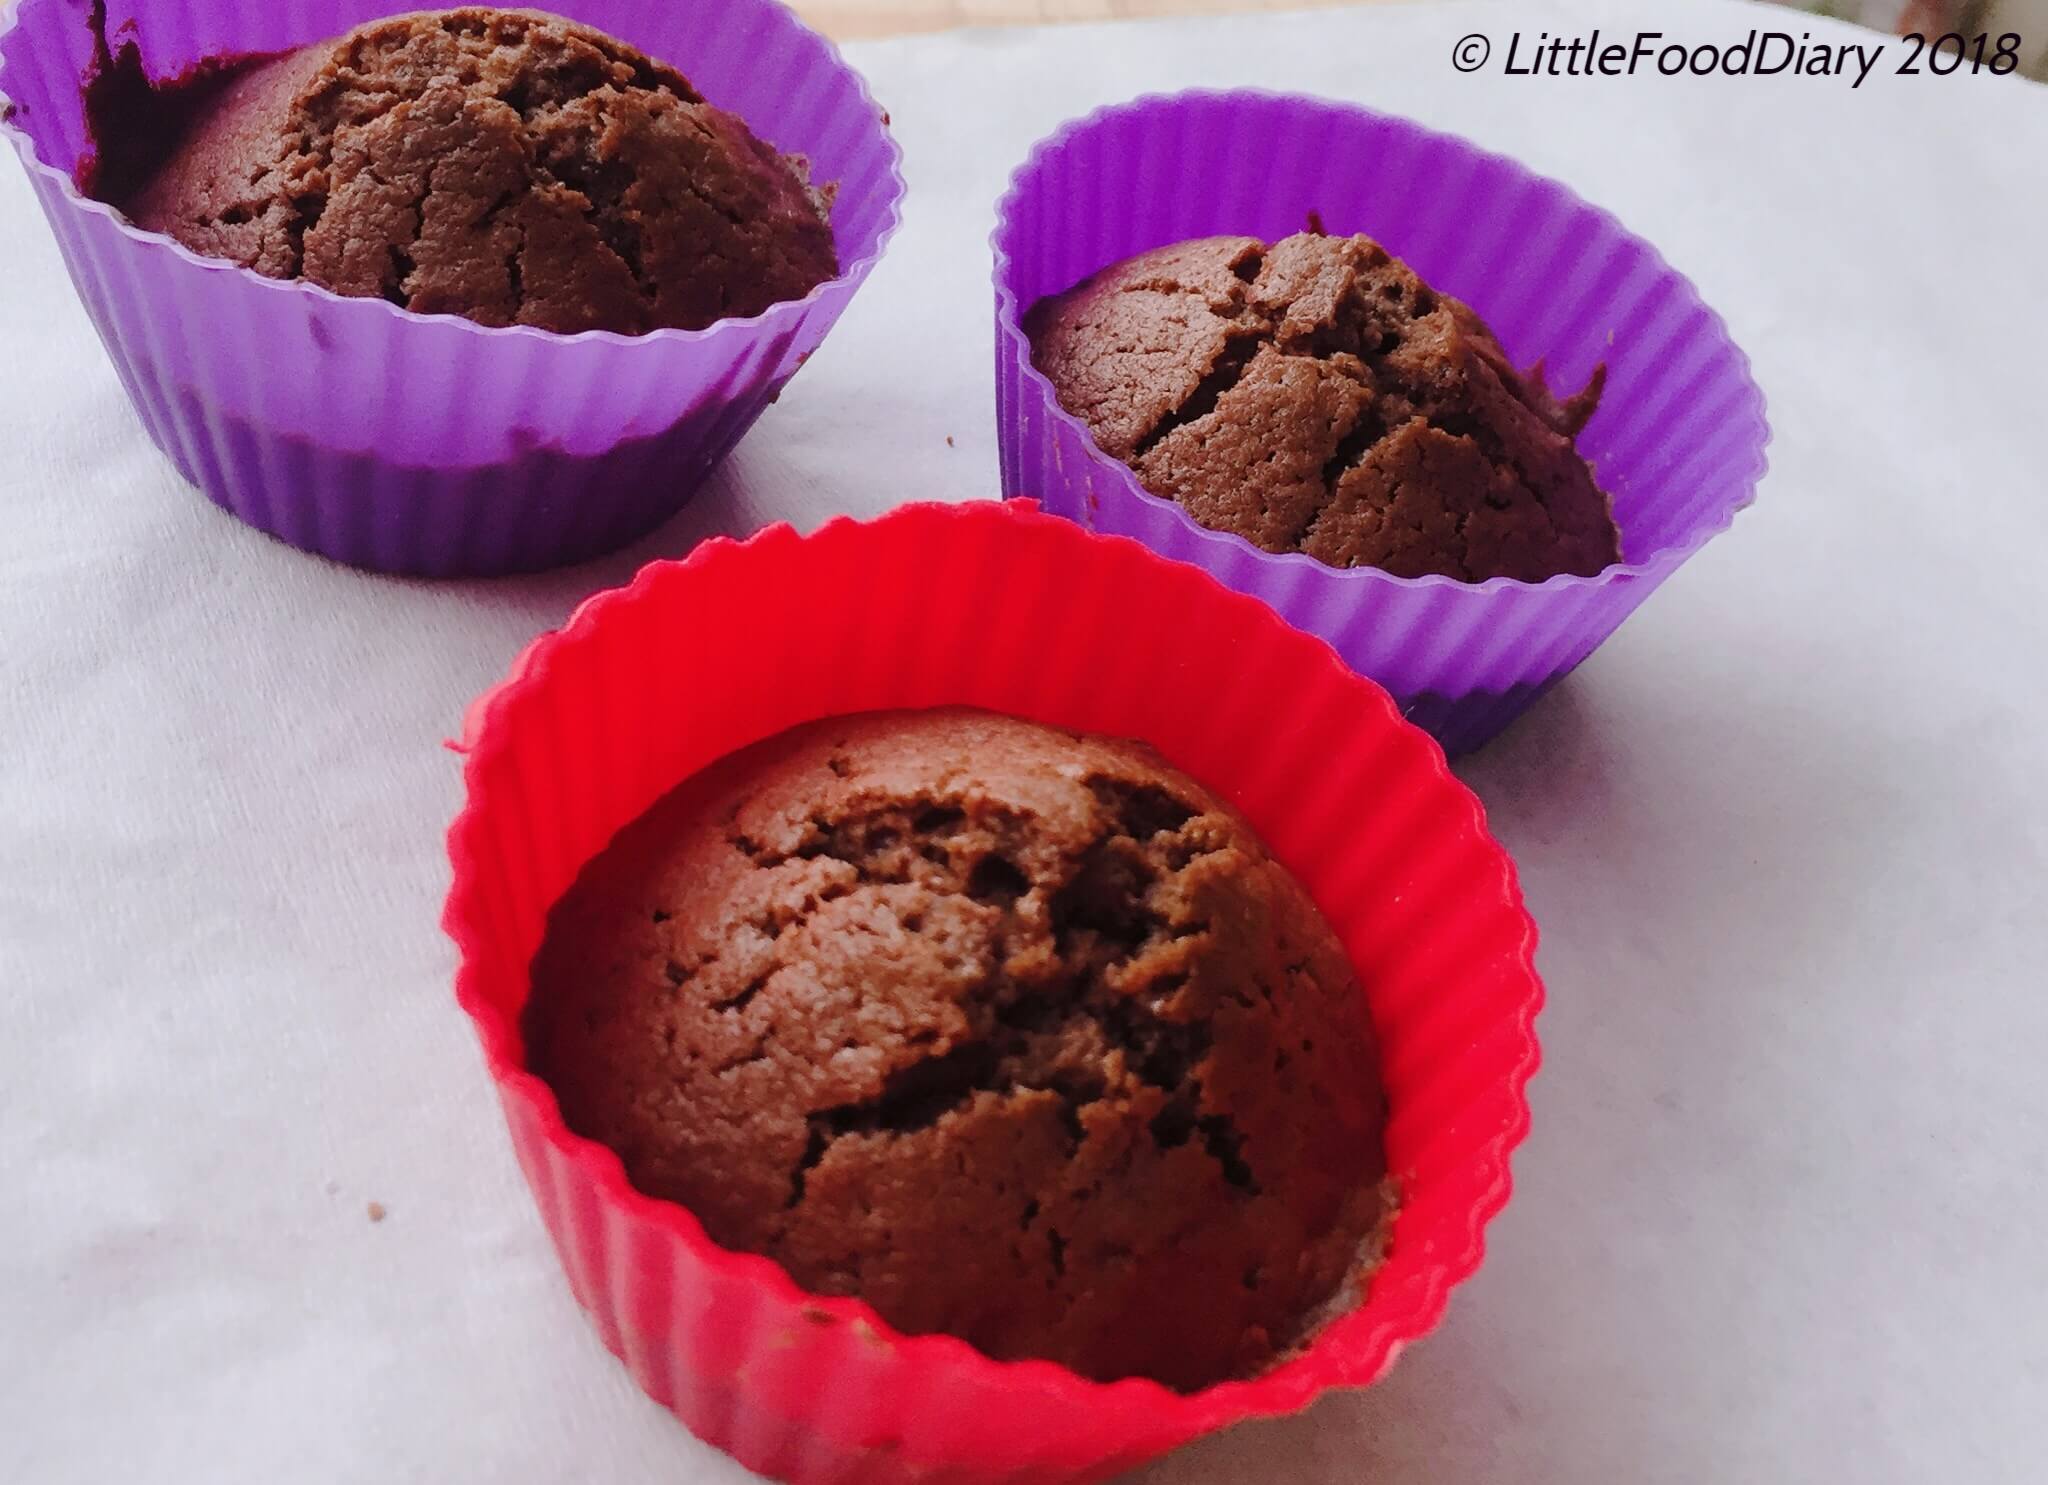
x,y
508,166
1015,1034
1316,396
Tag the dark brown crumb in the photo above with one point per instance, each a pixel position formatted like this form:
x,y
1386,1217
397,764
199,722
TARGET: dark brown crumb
x,y
1001,1029
507,166
1316,396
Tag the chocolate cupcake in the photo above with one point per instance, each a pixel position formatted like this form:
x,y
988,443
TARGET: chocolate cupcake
x,y
454,294
924,965
1316,396
1016,1034
511,167
1281,413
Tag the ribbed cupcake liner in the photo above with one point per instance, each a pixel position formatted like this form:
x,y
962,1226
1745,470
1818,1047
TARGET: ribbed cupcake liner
x,y
998,606
1678,441
425,443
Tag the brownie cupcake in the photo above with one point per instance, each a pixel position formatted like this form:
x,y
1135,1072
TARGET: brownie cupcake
x,y
1316,396
450,294
1016,1034
995,1029
504,165
1335,432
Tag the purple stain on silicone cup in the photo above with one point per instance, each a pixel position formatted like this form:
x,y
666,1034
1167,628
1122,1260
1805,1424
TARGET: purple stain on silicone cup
x,y
423,443
1678,440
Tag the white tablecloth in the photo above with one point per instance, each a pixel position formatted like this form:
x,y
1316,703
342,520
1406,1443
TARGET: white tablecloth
x,y
1781,1216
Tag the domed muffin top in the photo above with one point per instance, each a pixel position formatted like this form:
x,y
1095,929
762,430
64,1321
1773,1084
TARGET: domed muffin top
x,y
507,166
1018,1035
1316,396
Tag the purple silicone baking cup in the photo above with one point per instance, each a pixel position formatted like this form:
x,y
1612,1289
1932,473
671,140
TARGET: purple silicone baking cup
x,y
424,443
1678,441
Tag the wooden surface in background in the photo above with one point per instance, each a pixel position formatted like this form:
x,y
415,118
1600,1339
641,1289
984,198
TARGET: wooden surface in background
x,y
847,20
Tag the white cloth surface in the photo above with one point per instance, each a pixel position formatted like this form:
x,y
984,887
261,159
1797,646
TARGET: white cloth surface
x,y
1781,1215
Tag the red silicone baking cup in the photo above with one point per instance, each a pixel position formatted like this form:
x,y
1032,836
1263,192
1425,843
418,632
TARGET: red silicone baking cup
x,y
1009,609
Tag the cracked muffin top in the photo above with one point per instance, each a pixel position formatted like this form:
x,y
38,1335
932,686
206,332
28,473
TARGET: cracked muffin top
x,y
503,165
1016,1034
1316,396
